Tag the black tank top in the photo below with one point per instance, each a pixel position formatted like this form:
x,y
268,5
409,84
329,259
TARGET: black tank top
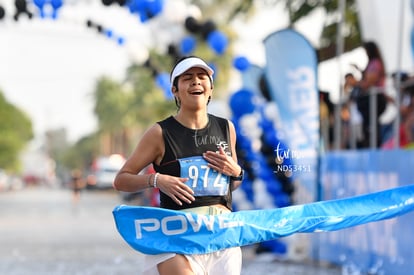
x,y
182,142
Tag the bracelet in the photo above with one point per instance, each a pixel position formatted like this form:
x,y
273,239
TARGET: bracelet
x,y
149,180
155,180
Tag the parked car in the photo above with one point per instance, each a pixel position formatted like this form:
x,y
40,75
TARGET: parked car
x,y
104,170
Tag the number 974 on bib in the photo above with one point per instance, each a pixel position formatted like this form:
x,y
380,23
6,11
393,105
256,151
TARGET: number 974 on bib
x,y
202,179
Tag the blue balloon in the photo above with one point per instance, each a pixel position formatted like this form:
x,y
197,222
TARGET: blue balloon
x,y
146,9
143,17
282,200
274,188
275,246
56,4
136,6
154,7
140,5
109,33
217,41
163,82
188,44
242,102
243,143
241,63
54,14
120,40
39,3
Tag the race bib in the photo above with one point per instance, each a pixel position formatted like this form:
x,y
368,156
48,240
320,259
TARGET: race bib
x,y
202,179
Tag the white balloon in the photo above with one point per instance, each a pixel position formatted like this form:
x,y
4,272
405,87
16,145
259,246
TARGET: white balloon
x,y
249,126
271,112
175,11
195,12
256,145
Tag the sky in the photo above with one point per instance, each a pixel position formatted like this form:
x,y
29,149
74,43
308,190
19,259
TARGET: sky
x,y
49,67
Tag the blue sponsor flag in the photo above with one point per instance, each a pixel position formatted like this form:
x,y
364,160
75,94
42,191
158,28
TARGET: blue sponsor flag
x,y
291,75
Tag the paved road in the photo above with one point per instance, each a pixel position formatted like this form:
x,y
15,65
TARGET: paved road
x,y
43,232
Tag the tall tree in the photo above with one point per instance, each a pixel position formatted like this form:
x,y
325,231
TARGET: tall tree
x,y
352,36
16,131
300,9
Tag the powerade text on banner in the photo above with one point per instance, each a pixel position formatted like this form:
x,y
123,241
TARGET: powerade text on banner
x,y
156,230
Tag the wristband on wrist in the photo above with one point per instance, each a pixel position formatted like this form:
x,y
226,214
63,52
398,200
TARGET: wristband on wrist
x,y
239,177
155,180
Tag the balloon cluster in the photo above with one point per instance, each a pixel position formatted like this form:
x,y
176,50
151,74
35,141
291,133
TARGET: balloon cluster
x,y
145,9
255,100
254,132
216,39
105,31
258,149
206,31
166,13
43,4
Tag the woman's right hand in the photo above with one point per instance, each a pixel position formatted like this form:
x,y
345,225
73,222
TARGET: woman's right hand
x,y
175,188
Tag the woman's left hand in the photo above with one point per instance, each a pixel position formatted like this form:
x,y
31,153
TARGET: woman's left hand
x,y
222,163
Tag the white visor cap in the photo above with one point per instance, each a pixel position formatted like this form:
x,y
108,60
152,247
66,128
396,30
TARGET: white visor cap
x,y
189,63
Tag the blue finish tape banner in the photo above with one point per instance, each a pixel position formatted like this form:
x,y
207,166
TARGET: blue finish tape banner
x,y
156,230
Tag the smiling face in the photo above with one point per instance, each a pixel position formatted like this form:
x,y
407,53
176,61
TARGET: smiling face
x,y
194,88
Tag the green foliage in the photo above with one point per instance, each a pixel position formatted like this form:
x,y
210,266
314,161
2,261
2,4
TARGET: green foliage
x,y
225,11
147,100
110,104
16,131
81,155
299,9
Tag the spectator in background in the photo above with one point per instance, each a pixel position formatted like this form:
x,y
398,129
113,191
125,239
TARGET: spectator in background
x,y
406,111
326,109
77,184
353,133
407,106
372,81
